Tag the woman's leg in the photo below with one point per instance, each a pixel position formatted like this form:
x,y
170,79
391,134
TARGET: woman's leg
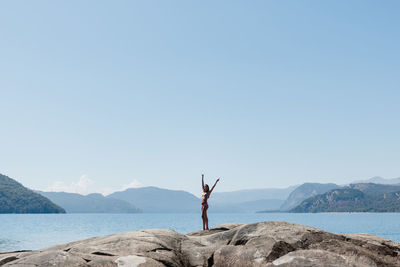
x,y
203,217
206,217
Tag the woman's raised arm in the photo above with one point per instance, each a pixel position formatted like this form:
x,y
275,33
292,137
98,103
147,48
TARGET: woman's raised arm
x,y
214,185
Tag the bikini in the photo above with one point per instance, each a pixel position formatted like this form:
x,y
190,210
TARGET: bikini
x,y
205,204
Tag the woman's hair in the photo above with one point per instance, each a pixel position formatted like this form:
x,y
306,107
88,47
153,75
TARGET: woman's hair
x,y
206,186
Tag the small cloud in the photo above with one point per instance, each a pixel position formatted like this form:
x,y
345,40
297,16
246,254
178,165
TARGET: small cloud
x,y
83,186
106,191
134,184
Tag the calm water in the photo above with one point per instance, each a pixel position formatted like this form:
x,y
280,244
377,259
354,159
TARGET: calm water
x,y
35,231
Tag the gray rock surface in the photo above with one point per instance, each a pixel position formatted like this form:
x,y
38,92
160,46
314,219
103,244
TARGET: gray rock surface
x,y
259,244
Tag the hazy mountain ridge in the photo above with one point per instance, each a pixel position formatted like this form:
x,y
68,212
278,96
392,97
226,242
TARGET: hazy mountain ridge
x,y
355,198
248,195
154,199
15,198
378,180
92,203
249,200
247,206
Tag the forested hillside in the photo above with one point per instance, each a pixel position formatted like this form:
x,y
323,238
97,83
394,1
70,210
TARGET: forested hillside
x,y
15,198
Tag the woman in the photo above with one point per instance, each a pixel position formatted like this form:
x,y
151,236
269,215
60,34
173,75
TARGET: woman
x,y
204,204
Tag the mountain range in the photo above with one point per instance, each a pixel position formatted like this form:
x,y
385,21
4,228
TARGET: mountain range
x,y
160,200
308,197
92,203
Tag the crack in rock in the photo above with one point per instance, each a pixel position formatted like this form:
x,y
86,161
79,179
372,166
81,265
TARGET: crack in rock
x,y
103,253
8,259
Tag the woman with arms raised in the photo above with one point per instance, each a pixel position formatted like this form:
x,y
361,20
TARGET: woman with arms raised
x,y
204,198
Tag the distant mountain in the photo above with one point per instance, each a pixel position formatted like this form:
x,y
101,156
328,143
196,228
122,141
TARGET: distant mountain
x,y
248,195
247,206
154,199
379,180
15,198
355,198
305,191
92,203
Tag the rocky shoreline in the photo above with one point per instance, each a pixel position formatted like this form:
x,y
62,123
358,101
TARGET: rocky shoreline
x,y
258,244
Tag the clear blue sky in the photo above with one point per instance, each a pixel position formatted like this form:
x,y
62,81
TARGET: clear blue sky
x,y
261,93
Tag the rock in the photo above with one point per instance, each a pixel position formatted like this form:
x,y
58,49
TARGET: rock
x,y
258,244
314,257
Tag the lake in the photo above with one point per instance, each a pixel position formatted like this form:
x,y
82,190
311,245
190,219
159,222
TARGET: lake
x,y
35,231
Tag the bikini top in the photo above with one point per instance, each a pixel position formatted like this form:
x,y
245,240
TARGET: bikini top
x,y
205,195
